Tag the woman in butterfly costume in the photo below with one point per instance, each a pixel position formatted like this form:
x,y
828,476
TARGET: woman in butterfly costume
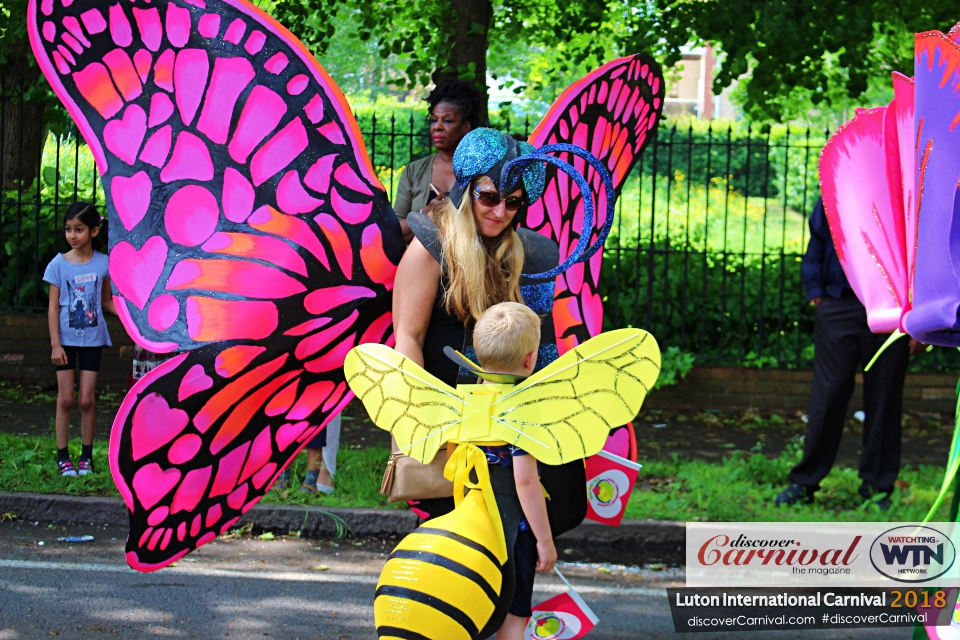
x,y
472,254
253,235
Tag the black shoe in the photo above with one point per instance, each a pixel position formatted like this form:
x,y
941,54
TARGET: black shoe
x,y
795,493
878,498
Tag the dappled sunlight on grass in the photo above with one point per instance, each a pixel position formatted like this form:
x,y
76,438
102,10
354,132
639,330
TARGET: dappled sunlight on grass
x,y
742,488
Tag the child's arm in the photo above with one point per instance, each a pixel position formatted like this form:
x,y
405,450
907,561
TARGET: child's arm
x,y
106,297
535,509
58,356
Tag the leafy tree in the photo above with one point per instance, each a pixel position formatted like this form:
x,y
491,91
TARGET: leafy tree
x,y
432,40
27,106
790,55
809,52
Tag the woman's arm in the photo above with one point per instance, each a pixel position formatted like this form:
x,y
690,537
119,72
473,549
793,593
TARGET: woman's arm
x,y
106,297
535,509
414,292
58,355
403,203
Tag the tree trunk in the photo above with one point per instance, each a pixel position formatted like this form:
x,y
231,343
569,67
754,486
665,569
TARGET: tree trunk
x,y
22,124
469,45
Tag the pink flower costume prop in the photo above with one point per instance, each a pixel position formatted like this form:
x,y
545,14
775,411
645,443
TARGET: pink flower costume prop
x,y
890,188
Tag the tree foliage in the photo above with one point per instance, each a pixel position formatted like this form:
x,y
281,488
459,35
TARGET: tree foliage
x,y
829,53
789,55
435,39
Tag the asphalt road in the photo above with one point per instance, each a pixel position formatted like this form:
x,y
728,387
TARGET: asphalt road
x,y
285,588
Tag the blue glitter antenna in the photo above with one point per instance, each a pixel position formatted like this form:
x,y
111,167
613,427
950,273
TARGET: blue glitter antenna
x,y
510,164
520,166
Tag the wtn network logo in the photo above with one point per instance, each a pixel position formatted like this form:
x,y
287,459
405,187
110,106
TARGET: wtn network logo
x,y
912,554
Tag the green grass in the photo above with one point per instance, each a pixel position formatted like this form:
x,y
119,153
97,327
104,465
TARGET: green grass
x,y
359,472
741,488
28,464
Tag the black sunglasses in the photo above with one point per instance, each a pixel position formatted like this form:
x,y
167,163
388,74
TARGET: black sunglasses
x,y
492,199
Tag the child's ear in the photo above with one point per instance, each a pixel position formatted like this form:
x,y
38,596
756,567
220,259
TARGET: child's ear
x,y
530,360
94,231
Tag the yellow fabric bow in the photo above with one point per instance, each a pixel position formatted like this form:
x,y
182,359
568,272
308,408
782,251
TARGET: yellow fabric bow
x,y
469,457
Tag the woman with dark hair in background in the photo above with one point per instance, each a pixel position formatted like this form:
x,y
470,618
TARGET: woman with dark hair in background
x,y
425,183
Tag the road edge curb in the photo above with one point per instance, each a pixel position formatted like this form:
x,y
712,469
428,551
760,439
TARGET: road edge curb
x,y
317,521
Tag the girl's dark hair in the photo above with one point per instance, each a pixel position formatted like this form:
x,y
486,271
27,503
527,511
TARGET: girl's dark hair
x,y
461,94
86,212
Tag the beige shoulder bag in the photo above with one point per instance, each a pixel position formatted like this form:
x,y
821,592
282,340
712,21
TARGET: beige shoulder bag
x,y
407,479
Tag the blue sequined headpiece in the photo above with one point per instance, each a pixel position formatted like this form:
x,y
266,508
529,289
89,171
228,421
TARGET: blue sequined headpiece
x,y
485,152
508,163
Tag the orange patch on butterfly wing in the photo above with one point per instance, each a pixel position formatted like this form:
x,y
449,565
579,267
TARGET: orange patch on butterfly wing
x,y
248,279
96,86
375,262
212,320
283,400
221,401
245,245
240,417
235,359
269,220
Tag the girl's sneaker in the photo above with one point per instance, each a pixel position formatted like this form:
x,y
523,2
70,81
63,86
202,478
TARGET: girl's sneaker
x,y
85,466
283,482
66,468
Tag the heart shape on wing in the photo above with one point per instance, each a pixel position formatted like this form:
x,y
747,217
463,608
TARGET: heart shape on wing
x,y
131,197
151,483
155,424
124,136
135,273
194,381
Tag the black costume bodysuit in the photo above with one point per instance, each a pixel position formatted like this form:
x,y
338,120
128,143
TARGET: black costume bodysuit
x,y
566,482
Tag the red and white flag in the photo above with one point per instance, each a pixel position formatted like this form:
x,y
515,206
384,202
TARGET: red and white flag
x,y
562,617
610,480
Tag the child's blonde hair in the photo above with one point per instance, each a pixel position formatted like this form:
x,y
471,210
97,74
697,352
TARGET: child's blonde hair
x,y
504,334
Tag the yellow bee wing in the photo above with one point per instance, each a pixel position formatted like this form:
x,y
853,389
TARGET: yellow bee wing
x,y
565,411
417,408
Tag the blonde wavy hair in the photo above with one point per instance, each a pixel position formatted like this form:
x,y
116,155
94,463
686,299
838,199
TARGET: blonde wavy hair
x,y
479,275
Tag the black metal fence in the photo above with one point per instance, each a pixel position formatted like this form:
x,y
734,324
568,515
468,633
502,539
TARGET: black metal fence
x,y
704,253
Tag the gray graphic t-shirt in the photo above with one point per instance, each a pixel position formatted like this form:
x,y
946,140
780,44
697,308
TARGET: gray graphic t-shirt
x,y
81,287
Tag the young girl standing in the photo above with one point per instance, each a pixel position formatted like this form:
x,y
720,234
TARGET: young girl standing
x,y
79,291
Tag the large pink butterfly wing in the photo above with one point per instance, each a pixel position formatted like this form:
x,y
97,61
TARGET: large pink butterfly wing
x,y
249,230
861,183
613,113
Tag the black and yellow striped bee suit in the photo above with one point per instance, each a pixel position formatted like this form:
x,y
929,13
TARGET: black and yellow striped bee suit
x,y
453,578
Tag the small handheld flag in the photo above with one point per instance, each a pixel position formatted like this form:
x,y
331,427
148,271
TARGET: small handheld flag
x,y
610,480
562,617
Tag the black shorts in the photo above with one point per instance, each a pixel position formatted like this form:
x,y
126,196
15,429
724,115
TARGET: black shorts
x,y
318,441
89,358
525,563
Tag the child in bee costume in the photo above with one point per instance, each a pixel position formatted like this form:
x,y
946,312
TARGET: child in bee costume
x,y
469,573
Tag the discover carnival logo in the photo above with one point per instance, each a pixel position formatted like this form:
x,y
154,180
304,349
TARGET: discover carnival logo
x,y
912,553
868,554
744,551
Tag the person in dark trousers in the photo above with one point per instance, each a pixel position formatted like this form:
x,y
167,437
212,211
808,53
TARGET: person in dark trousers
x,y
842,341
